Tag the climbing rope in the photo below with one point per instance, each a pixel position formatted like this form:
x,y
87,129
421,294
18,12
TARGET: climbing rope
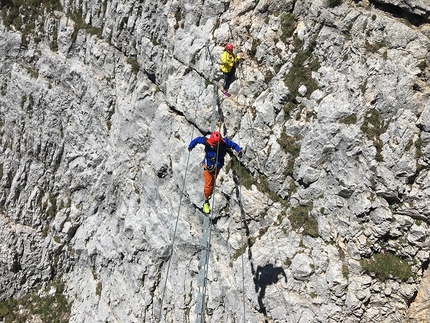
x,y
244,229
201,304
243,226
176,225
252,139
200,308
207,254
208,244
243,214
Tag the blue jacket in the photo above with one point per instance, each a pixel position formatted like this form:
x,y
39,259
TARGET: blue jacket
x,y
211,157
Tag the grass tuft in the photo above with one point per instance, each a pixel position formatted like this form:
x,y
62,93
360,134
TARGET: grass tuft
x,y
300,218
289,144
302,68
288,26
351,119
387,265
373,127
134,64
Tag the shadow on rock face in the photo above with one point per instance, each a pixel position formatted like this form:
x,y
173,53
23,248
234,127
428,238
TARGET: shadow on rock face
x,y
263,277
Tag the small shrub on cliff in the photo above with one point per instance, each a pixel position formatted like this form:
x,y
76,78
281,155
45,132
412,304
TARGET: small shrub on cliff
x,y
240,251
289,144
21,14
54,43
81,24
23,100
178,17
288,109
255,44
245,177
345,271
419,148
374,47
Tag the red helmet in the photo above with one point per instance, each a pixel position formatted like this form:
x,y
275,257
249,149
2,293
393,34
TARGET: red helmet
x,y
229,47
215,138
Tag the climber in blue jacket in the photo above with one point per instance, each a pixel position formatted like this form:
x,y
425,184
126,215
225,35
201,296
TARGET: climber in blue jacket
x,y
215,149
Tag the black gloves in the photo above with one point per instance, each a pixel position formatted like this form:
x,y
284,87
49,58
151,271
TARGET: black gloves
x,y
189,148
239,154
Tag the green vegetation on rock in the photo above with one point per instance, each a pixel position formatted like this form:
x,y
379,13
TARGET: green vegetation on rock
x,y
290,146
247,179
351,119
288,25
373,127
22,14
386,265
333,3
301,70
301,219
80,23
49,308
134,64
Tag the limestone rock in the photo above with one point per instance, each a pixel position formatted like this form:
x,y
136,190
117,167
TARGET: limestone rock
x,y
302,267
419,311
99,101
419,8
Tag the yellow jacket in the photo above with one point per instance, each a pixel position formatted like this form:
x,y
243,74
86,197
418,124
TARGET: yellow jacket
x,y
228,60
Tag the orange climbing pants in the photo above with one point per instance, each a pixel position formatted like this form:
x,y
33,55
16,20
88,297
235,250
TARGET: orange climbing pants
x,y
209,177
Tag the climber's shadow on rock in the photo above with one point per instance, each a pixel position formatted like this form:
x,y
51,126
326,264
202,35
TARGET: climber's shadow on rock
x,y
263,277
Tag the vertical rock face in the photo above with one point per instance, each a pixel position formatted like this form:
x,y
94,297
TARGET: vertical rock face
x,y
419,310
325,219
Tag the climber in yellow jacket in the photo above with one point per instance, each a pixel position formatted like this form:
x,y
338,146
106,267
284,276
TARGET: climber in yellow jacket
x,y
228,66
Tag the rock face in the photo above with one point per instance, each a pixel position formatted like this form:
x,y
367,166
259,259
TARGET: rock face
x,y
99,101
419,8
419,310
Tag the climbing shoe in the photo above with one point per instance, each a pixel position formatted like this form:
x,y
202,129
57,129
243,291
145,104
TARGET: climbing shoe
x,y
206,208
225,93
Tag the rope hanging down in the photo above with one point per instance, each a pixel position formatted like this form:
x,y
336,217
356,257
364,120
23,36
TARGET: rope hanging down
x,y
242,227
204,261
206,239
206,244
176,226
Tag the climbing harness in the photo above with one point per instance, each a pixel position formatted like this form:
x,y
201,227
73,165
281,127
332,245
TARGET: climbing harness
x,y
209,168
